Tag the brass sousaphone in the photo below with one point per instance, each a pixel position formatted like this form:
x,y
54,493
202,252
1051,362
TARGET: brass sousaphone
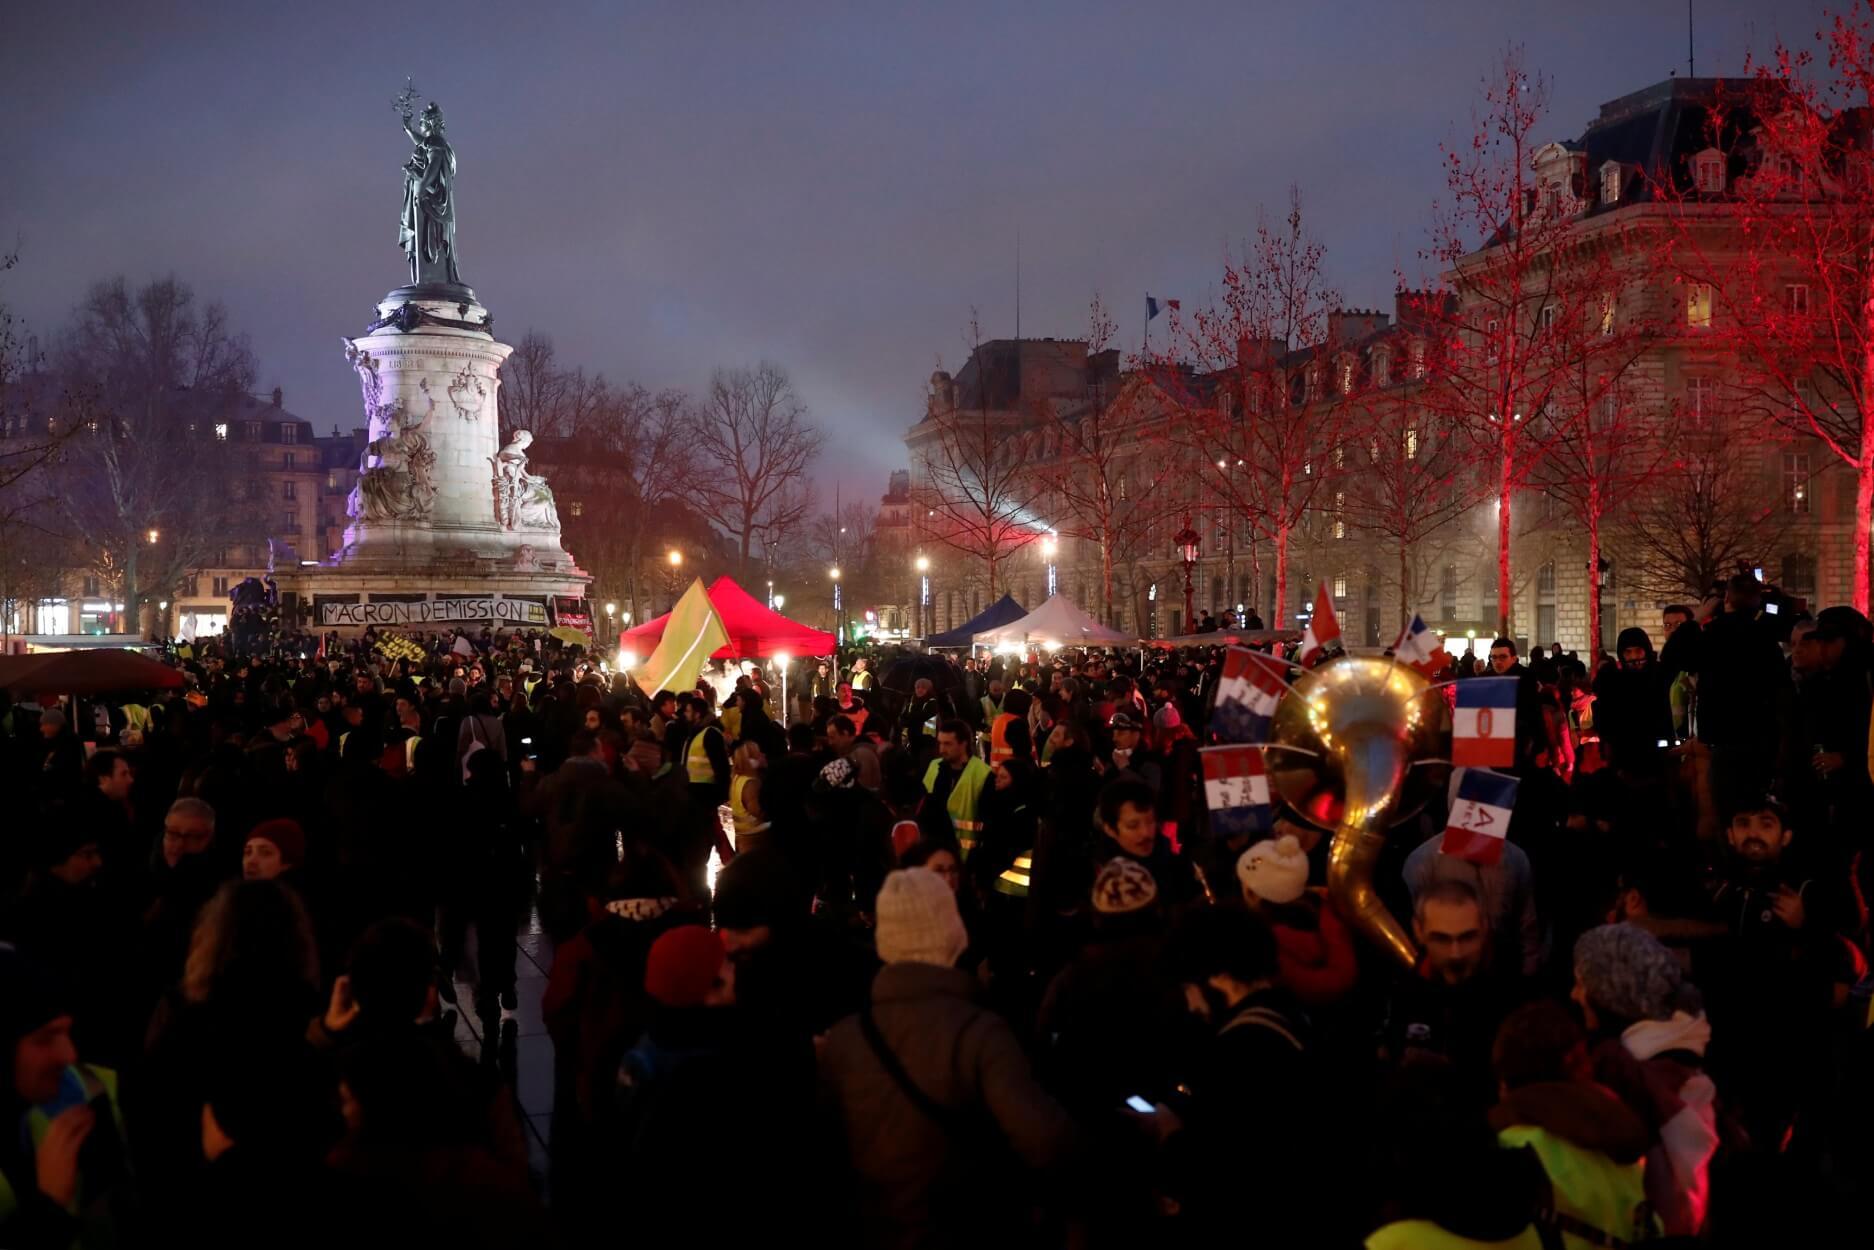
x,y
1353,751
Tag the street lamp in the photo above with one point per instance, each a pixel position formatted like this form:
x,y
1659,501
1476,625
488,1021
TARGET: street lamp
x,y
780,601
153,537
675,558
1187,540
1048,547
837,603
611,623
923,593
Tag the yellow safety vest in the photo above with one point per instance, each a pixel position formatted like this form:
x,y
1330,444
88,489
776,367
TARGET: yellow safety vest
x,y
1591,1191
696,758
95,1081
746,822
965,800
1425,1235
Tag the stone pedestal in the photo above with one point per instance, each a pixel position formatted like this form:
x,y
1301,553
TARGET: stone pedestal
x,y
442,513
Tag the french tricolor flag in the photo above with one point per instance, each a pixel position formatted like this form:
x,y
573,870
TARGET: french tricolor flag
x,y
1236,790
1322,637
1483,726
1417,646
1480,816
1251,686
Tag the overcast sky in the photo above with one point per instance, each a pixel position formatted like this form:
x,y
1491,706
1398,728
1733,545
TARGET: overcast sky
x,y
665,188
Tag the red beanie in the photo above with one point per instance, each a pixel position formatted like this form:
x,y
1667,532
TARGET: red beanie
x,y
285,834
682,966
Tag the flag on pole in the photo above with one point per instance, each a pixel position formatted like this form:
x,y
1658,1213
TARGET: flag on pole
x,y
1483,726
1251,686
1417,646
1236,790
1152,306
1322,637
692,634
1480,816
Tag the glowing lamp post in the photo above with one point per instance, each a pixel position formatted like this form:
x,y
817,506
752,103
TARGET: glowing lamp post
x,y
1048,547
1187,540
923,594
675,559
611,620
837,603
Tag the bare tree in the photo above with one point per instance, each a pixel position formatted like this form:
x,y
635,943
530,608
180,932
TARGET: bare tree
x,y
756,444
970,481
1529,312
150,382
1099,465
1703,518
1267,436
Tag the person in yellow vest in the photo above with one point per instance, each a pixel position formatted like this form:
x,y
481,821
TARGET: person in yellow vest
x,y
992,701
62,1154
1590,1143
955,780
751,823
705,762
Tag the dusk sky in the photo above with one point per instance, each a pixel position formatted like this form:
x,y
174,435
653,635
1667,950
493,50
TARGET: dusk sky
x,y
668,188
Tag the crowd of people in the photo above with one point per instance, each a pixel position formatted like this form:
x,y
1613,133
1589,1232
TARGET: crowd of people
x,y
937,953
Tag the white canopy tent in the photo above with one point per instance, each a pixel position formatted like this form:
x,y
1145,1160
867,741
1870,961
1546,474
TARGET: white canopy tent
x,y
1056,623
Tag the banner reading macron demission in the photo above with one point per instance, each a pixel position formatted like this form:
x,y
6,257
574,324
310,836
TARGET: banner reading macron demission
x,y
434,612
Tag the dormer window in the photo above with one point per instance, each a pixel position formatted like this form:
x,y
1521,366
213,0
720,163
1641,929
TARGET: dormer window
x,y
1610,182
1382,366
1709,168
1418,358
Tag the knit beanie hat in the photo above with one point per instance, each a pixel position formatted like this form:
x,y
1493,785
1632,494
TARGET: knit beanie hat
x,y
917,920
1167,717
286,835
682,966
1628,974
836,775
1275,870
30,999
1122,887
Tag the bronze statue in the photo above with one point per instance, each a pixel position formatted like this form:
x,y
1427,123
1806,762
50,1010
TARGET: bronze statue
x,y
427,233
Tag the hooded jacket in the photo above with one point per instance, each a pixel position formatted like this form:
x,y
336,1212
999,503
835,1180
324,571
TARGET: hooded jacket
x,y
1591,1145
1657,1070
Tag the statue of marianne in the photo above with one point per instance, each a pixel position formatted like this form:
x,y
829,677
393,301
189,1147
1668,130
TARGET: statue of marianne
x,y
428,229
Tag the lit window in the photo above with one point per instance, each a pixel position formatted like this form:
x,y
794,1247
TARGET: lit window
x,y
1346,377
1698,305
1411,443
1610,183
1340,527
1340,588
221,431
1796,299
1122,485
1608,305
1796,482
1710,173
1340,456
578,507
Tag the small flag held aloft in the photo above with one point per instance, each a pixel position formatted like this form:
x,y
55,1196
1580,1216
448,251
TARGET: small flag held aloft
x,y
1236,790
1480,816
1418,646
1251,685
1483,726
1321,640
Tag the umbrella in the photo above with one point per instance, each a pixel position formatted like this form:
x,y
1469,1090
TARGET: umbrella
x,y
573,637
101,671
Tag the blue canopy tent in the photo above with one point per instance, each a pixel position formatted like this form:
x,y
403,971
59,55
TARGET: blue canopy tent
x,y
996,615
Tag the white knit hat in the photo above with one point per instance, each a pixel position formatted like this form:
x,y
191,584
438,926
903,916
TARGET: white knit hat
x,y
1275,871
917,920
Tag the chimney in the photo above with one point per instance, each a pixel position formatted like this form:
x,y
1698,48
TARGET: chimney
x,y
277,396
1347,324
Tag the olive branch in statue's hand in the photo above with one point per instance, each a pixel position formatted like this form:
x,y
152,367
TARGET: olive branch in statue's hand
x,y
405,101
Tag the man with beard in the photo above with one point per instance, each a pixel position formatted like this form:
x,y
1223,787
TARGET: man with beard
x,y
1769,982
1453,1002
